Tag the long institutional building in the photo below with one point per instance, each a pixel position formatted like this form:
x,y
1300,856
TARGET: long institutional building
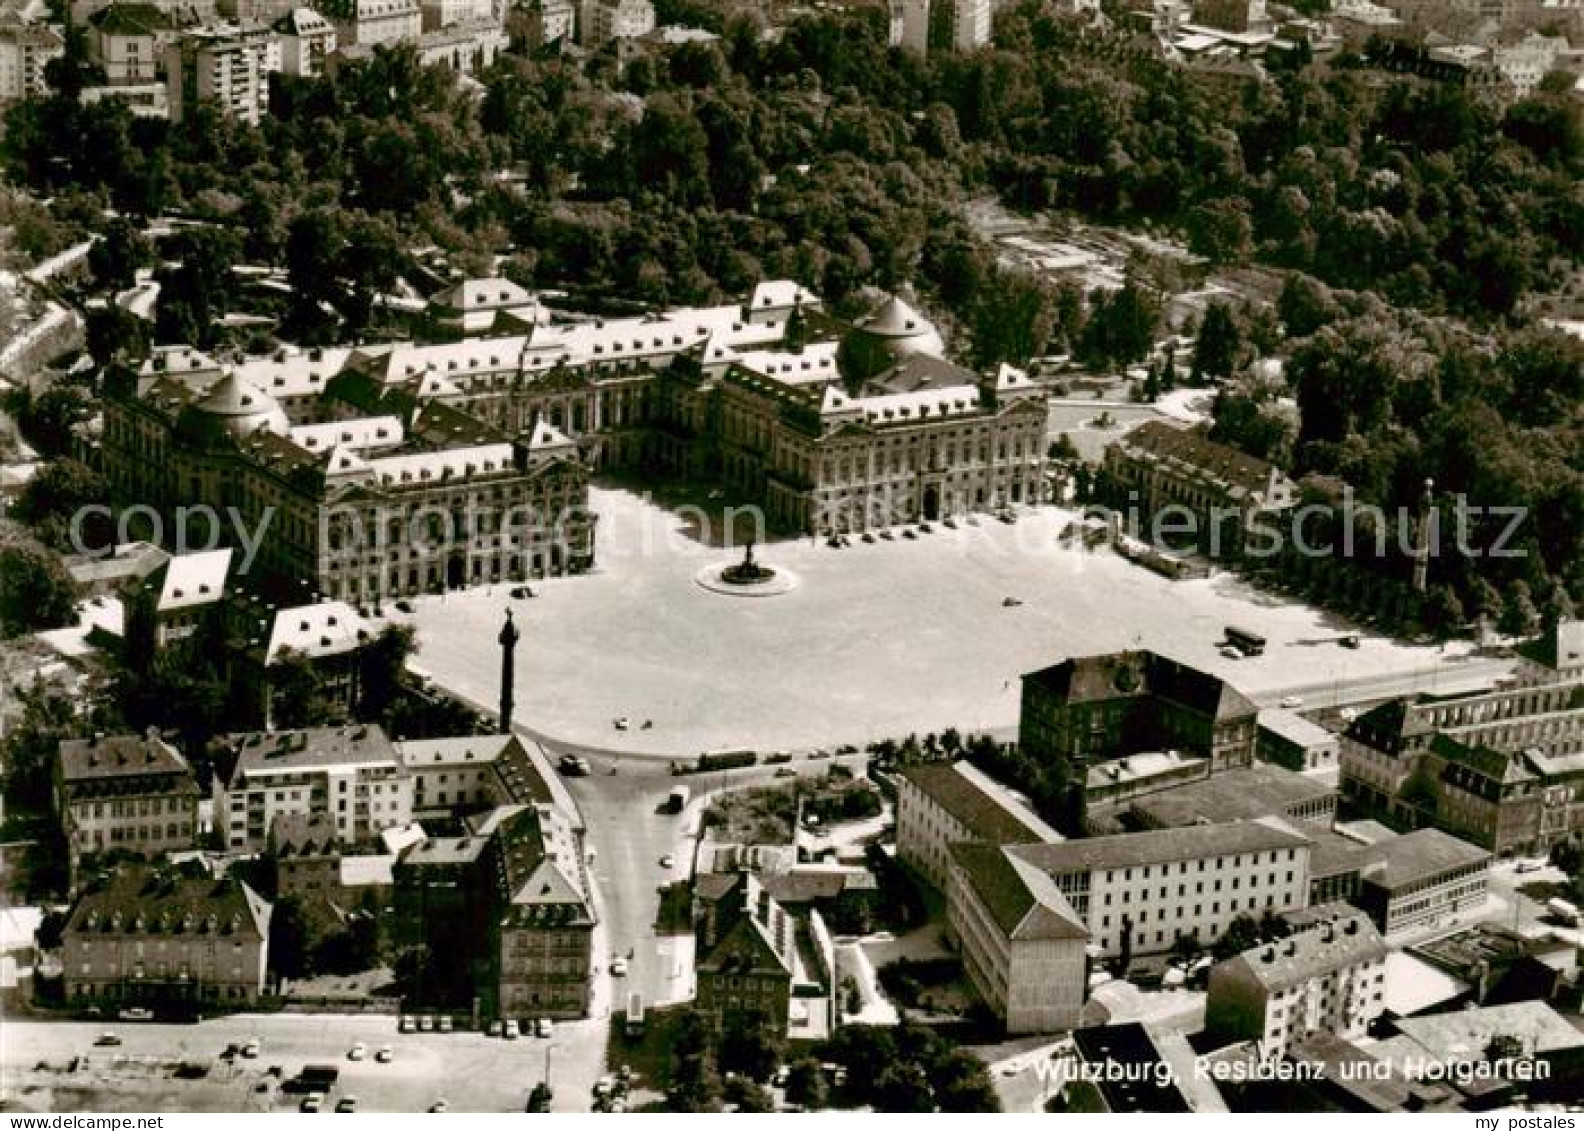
x,y
400,468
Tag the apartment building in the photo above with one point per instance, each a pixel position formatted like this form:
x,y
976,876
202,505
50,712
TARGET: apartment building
x,y
368,23
470,772
181,598
128,40
1329,977
162,940
1137,893
940,804
225,66
126,792
352,774
25,50
307,41
1022,944
605,20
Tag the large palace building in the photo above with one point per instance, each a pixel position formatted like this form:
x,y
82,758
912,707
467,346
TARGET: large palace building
x,y
372,457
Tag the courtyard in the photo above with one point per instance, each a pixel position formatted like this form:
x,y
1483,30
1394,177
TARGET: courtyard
x,y
897,636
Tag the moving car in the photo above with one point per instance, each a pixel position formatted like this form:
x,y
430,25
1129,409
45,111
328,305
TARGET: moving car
x,y
107,1040
251,1050
667,860
621,722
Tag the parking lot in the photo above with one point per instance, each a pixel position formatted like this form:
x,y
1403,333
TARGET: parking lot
x,y
57,1065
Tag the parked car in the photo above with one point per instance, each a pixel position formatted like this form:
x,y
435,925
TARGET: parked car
x,y
404,606
385,1055
495,1028
347,1103
107,1040
440,1107
445,1024
618,968
426,1024
667,861
510,1030
357,1051
1292,702
313,1101
621,722
545,1027
407,1025
137,1013
251,1050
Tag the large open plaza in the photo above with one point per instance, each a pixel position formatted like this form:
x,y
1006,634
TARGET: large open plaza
x,y
877,639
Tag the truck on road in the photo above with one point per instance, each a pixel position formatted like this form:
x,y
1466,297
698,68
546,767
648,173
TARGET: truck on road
x,y
677,799
635,1014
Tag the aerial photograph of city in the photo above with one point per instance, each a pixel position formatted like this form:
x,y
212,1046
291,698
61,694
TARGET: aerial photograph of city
x,y
810,556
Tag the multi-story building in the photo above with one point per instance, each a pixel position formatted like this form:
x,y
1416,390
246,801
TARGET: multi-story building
x,y
1224,492
939,804
444,13
167,941
367,23
1327,978
910,25
378,492
532,24
508,905
25,50
473,772
307,855
352,774
1502,768
605,20
1243,794
1023,946
307,40
1525,63
225,66
747,954
125,792
254,11
328,636
128,40
1423,879
969,24
481,306
1137,893
1086,715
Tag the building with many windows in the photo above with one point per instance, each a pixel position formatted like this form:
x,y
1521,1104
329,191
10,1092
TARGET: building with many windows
x,y
939,804
307,41
1423,879
368,23
352,774
1503,768
224,66
25,50
1094,716
126,792
128,40
1137,893
605,20
171,942
1329,977
1022,944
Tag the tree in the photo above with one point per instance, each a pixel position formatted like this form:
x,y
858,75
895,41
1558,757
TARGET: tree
x,y
292,938
695,1083
55,495
381,667
1121,326
36,592
117,255
962,1083
753,1046
747,1095
1219,343
32,743
114,334
806,1084
297,693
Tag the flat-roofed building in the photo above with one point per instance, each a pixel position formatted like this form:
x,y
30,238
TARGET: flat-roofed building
x,y
1241,794
940,804
1328,977
352,774
1289,740
223,66
1426,878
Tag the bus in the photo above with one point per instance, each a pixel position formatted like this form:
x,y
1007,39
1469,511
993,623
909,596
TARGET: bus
x,y
635,1015
1249,643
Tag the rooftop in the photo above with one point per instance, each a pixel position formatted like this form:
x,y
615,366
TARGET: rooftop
x,y
119,755
1421,855
1022,899
1159,846
1243,793
139,901
190,580
1350,939
1125,675
311,749
1243,474
980,804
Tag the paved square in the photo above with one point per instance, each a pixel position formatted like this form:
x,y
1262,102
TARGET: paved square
x,y
877,639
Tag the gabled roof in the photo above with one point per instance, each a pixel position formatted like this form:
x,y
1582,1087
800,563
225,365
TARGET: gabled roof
x,y
191,580
358,744
1421,855
1125,675
745,949
1160,846
1194,448
1350,940
982,806
1022,899
325,628
130,19
142,902
119,755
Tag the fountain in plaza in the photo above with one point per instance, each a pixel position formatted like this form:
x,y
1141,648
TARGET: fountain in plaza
x,y
747,578
747,571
